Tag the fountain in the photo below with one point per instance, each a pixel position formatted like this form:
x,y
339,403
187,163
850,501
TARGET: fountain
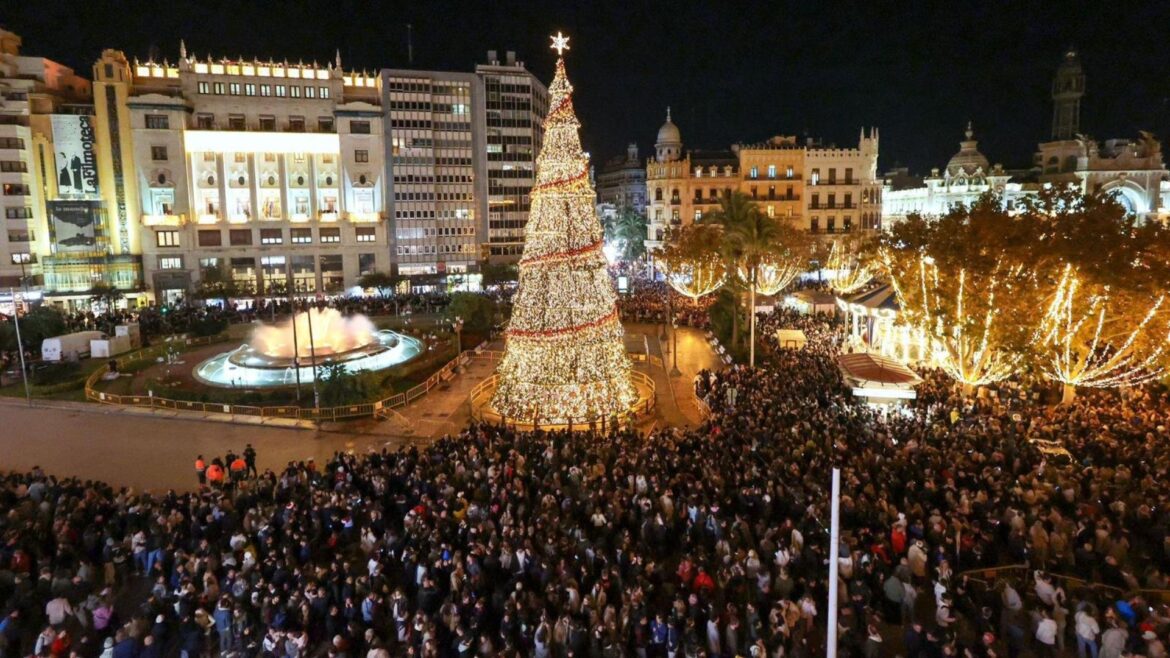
x,y
274,353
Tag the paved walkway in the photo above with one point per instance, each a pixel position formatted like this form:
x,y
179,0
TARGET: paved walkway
x,y
155,449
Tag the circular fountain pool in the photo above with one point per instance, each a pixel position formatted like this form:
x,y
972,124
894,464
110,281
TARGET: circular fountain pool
x,y
275,353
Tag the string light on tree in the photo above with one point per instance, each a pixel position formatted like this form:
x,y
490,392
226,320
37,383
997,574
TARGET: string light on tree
x,y
692,267
851,273
565,358
962,334
773,274
1077,351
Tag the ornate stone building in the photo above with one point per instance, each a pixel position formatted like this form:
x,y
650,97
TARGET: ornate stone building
x,y
816,188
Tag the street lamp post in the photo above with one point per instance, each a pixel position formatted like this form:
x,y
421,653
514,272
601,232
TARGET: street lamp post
x,y
457,325
20,347
674,371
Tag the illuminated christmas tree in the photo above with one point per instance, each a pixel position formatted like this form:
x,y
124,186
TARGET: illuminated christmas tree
x,y
565,358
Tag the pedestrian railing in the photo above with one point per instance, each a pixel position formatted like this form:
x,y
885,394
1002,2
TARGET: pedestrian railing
x,y
1021,574
375,408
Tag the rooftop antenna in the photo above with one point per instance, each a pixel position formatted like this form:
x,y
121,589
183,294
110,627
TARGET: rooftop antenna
x,y
409,44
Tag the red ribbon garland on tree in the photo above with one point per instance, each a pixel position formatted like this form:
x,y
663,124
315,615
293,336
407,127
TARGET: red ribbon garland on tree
x,y
559,255
550,333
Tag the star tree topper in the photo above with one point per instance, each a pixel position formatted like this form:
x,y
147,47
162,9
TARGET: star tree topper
x,y
560,43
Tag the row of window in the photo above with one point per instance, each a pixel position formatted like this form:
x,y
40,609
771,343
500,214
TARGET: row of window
x,y
18,212
423,249
16,189
10,166
11,143
251,89
268,236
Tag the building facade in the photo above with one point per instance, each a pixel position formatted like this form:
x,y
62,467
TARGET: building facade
x,y
1131,170
515,103
267,173
824,190
56,237
967,176
622,182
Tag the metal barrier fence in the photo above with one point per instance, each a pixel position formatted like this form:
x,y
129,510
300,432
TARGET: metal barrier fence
x,y
317,414
1020,574
480,396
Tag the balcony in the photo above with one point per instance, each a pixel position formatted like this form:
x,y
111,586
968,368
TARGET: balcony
x,y
364,217
327,217
208,218
163,220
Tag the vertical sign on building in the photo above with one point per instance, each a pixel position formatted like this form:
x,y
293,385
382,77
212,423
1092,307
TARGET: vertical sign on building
x,y
76,164
116,163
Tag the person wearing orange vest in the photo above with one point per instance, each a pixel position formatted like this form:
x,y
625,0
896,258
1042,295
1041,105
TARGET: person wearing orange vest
x,y
239,469
215,475
201,470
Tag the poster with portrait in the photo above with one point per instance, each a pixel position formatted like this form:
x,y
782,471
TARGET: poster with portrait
x,y
76,164
74,224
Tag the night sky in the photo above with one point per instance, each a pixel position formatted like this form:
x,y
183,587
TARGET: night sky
x,y
732,71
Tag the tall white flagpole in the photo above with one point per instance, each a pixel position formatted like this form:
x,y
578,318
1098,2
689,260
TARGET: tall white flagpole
x,y
834,557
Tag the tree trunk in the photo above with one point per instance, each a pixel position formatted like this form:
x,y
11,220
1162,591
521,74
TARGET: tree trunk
x,y
735,323
1070,394
752,325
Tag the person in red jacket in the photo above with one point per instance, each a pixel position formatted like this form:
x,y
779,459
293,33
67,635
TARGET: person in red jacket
x,y
703,582
201,470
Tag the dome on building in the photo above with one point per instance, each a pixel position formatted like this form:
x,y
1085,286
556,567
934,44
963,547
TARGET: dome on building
x,y
968,160
668,133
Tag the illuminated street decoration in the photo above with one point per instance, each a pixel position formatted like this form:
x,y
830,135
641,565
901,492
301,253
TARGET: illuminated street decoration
x,y
1076,351
565,358
852,273
962,332
773,274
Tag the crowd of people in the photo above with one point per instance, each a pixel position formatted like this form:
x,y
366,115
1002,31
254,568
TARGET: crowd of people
x,y
709,541
647,302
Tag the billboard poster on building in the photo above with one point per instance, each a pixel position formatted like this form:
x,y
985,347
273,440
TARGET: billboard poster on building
x,y
74,224
73,141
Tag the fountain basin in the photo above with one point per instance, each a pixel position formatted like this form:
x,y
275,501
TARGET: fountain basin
x,y
249,367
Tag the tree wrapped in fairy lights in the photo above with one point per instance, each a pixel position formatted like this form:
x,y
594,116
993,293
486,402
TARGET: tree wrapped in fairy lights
x,y
959,316
852,272
693,265
565,358
1078,344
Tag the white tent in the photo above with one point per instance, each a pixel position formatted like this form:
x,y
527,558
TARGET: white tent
x,y
791,338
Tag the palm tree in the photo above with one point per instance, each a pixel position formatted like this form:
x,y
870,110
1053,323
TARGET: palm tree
x,y
755,239
628,229
733,211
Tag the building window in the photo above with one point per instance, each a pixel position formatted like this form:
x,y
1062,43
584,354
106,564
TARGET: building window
x,y
205,121
265,90
234,88
815,201
271,236
301,236
268,123
167,238
204,88
13,166
296,124
18,213
324,92
325,124
281,91
359,127
240,237
236,122
330,235
755,172
157,122
832,176
771,210
210,238
294,91
788,172
361,155
366,262
310,92
698,215
15,189
158,153
848,175
249,89
814,224
366,234
658,194
816,177
170,262
848,200
771,171
218,87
